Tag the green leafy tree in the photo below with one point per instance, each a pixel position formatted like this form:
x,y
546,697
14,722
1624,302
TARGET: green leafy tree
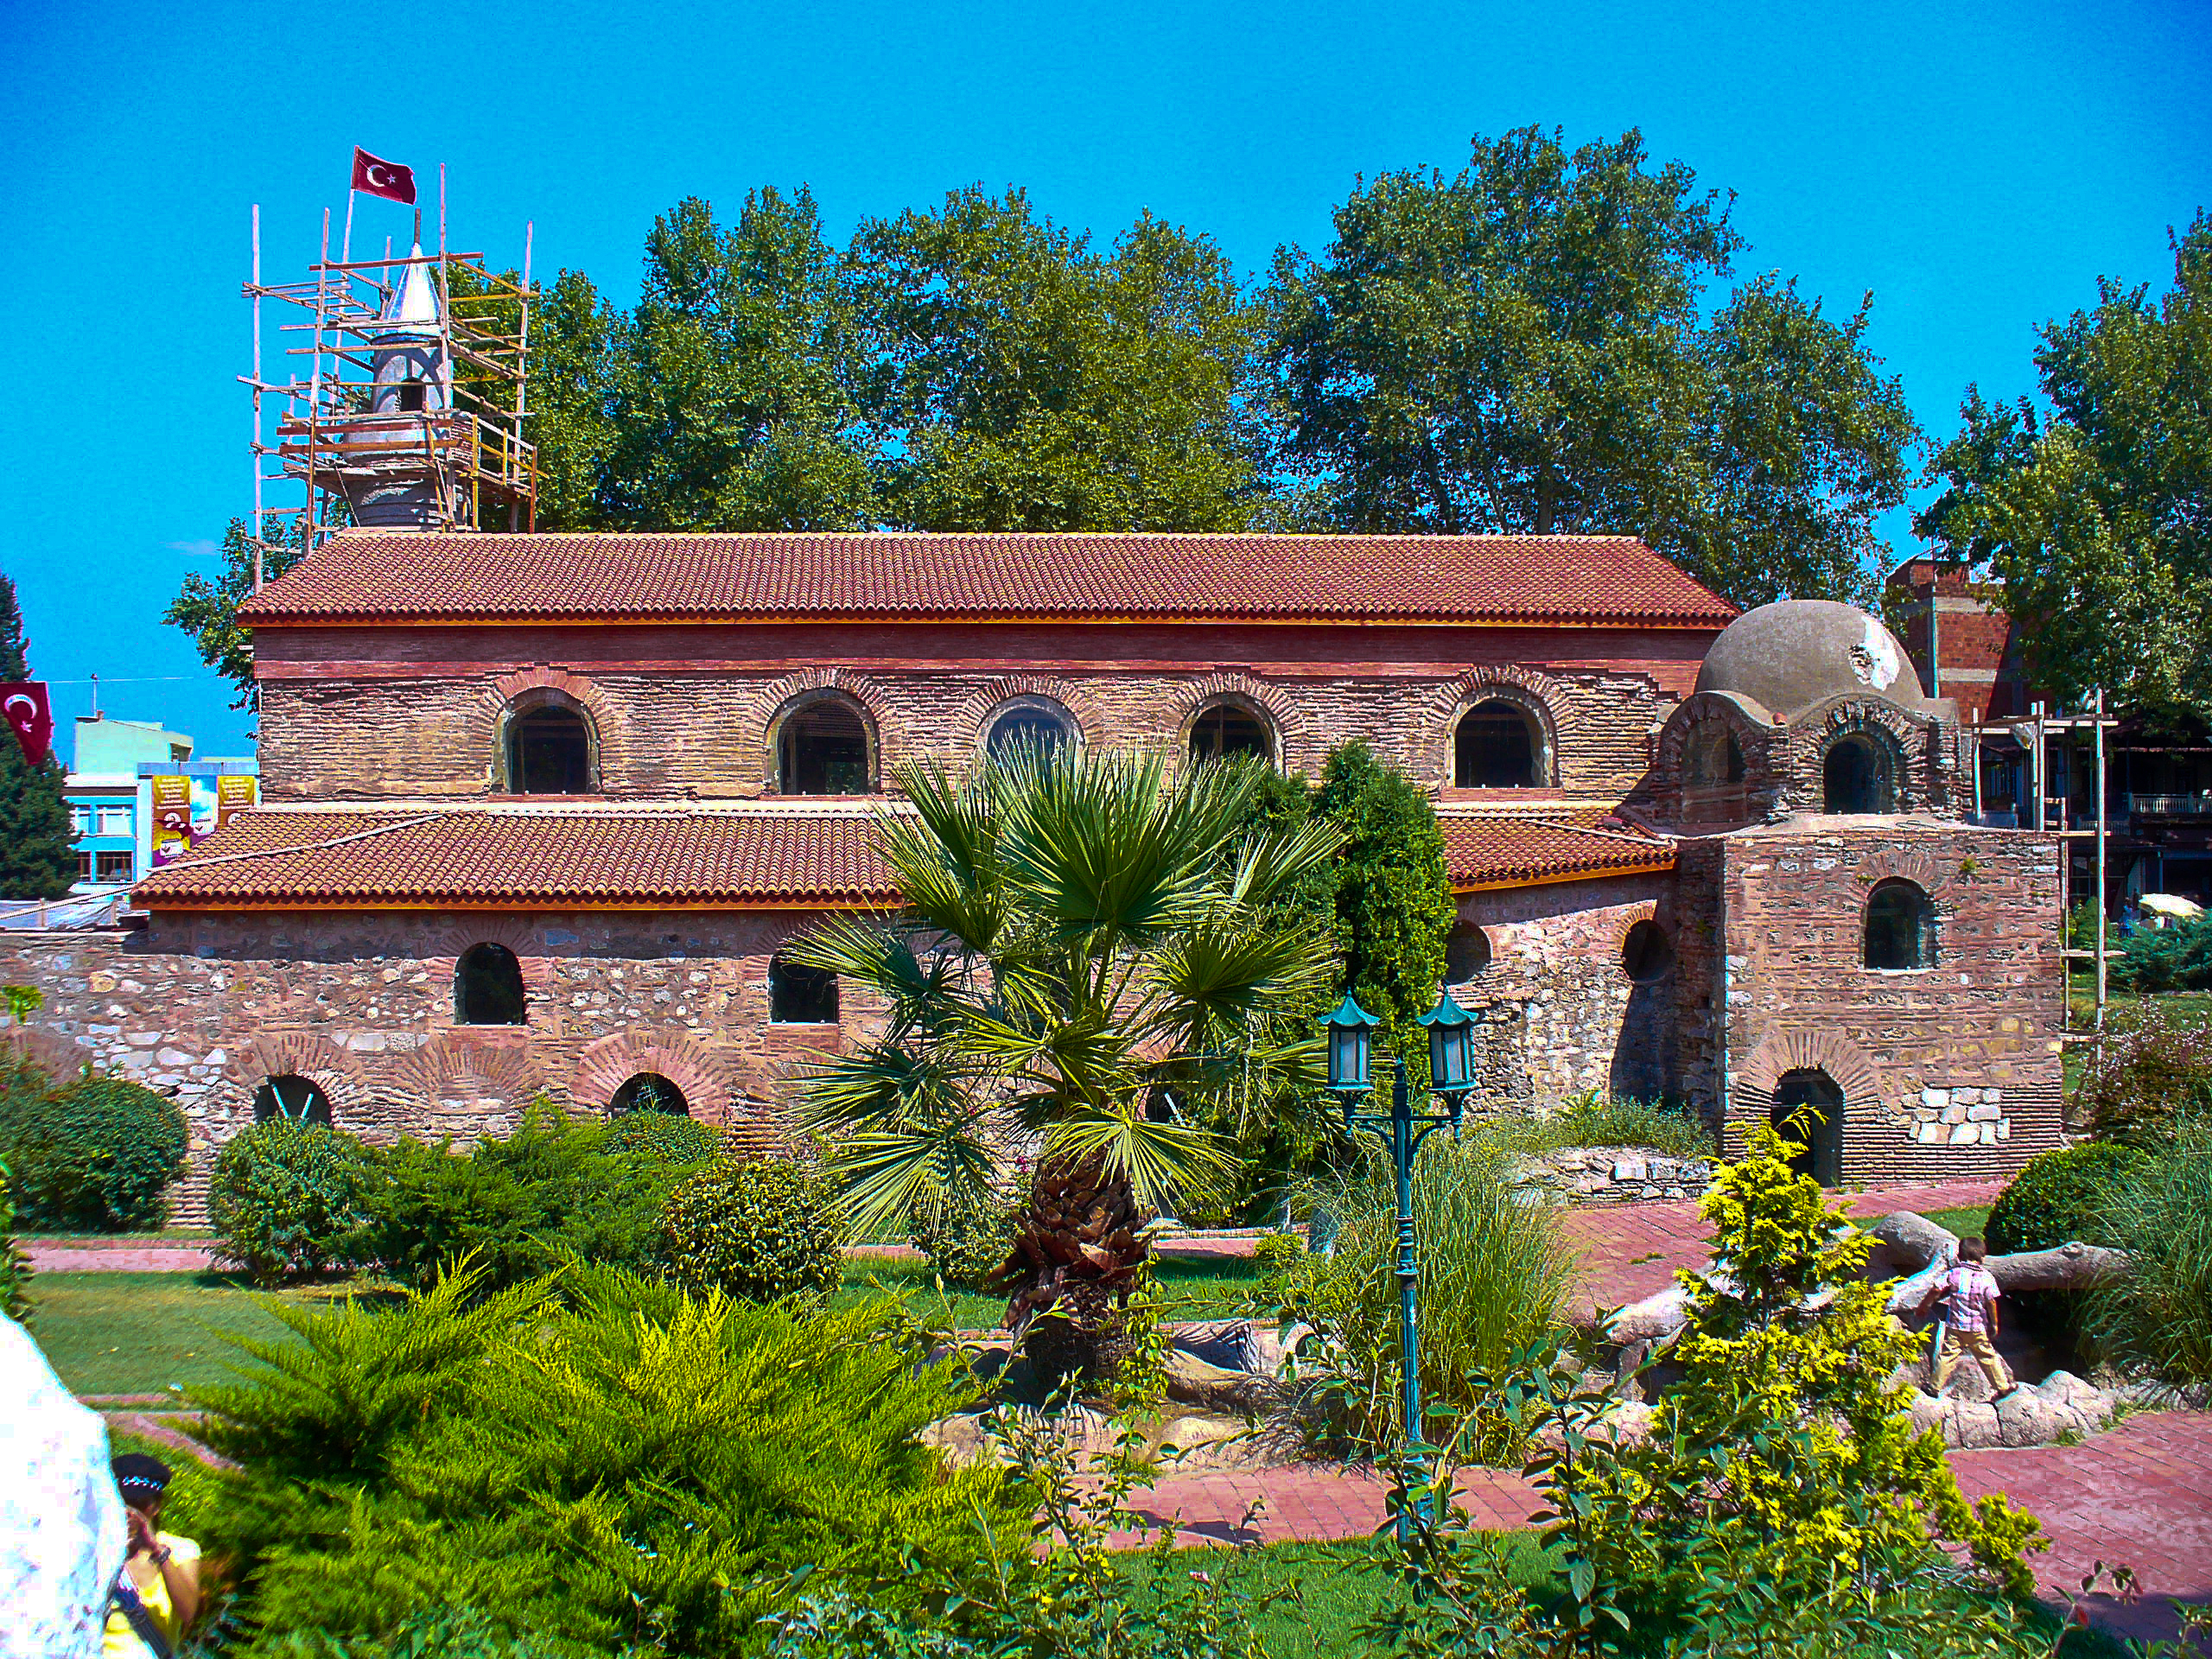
x,y
1073,957
38,853
208,611
1394,905
1522,349
2099,518
1019,380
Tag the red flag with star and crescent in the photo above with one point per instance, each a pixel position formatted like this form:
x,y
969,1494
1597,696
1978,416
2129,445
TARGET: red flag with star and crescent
x,y
30,716
380,178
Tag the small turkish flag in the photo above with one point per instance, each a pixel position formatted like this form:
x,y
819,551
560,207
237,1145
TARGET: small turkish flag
x,y
30,717
387,179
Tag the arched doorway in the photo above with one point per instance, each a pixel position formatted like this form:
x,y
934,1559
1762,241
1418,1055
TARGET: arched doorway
x,y
649,1092
1856,777
1808,1110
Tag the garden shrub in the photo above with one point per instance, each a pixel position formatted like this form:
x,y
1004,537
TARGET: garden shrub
x,y
2152,1068
967,1245
286,1199
2158,1320
1595,1118
92,1155
1495,1275
2176,958
517,1207
2059,1197
15,1265
670,1136
758,1229
596,1460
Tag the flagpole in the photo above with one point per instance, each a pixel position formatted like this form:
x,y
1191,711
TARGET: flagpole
x,y
345,247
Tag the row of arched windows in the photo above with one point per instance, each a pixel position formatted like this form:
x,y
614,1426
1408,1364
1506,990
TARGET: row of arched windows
x,y
823,746
303,1100
1858,773
488,990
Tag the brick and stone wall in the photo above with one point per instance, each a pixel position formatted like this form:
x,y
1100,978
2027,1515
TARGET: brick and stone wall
x,y
382,712
1950,1071
361,1003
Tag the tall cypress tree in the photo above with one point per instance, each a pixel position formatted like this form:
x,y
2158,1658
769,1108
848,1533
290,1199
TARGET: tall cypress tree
x,y
37,859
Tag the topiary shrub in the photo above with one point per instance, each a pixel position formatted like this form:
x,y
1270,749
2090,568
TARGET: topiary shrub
x,y
2059,1197
94,1156
966,1247
286,1199
670,1136
761,1229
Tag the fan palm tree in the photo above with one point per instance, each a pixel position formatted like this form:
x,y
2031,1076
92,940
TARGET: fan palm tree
x,y
1086,947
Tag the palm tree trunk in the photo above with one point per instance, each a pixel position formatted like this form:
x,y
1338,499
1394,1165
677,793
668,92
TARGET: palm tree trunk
x,y
1077,1255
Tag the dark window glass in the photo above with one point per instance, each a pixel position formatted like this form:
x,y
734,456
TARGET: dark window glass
x,y
1808,1110
649,1092
1033,728
1647,952
114,867
548,753
799,995
290,1096
1715,759
1466,954
1495,748
1855,777
487,987
1900,927
823,750
411,397
1224,730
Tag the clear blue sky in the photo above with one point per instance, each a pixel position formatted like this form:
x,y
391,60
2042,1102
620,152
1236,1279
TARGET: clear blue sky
x,y
1976,167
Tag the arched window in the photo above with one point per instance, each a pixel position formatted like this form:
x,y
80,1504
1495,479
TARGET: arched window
x,y
1222,729
291,1096
1466,954
1647,952
1033,725
1498,745
800,995
649,1092
822,748
487,987
1713,759
1808,1110
1900,926
548,752
1855,776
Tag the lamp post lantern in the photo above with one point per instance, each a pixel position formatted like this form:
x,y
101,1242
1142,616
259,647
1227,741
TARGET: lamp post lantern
x,y
1452,1073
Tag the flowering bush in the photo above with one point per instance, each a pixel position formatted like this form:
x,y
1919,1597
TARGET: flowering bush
x,y
2147,1075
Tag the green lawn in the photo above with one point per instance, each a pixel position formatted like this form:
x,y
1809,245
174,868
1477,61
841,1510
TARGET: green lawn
x,y
1967,1222
1215,1289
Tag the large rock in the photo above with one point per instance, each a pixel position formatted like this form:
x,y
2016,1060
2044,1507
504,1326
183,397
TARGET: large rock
x,y
2071,1267
1910,1242
61,1531
1192,1382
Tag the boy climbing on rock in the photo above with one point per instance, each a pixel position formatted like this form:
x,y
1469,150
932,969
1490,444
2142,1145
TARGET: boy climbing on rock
x,y
1968,1293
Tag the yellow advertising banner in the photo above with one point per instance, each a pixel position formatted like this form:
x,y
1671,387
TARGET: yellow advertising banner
x,y
172,808
234,793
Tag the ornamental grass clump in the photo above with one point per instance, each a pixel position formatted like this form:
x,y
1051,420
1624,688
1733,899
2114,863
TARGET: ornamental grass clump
x,y
595,1460
2157,1321
286,1199
759,1229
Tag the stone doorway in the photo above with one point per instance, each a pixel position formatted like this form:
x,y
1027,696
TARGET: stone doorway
x,y
1808,1109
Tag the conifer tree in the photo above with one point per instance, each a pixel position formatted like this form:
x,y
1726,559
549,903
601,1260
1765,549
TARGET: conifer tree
x,y
37,857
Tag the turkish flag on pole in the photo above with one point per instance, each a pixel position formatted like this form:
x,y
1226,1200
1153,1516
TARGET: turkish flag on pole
x,y
387,179
30,717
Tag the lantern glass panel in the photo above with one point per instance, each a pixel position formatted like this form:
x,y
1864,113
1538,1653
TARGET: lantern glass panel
x,y
1451,1056
1347,1057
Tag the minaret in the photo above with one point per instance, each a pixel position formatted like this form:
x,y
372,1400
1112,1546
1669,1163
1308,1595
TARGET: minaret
x,y
391,480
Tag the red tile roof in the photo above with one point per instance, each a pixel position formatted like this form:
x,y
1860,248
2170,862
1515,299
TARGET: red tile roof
x,y
447,578
1497,851
530,857
539,856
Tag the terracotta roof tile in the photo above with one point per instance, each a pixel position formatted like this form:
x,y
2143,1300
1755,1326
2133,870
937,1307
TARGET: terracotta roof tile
x,y
421,576
1494,850
537,856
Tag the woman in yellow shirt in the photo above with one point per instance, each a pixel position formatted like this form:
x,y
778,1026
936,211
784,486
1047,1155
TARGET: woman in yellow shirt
x,y
158,1596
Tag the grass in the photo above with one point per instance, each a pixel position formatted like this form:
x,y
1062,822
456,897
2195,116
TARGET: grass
x,y
1968,1221
1208,1288
1595,1119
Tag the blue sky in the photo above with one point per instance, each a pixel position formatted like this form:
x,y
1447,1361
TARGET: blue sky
x,y
1976,167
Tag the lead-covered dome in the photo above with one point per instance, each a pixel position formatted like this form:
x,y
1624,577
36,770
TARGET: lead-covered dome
x,y
1796,652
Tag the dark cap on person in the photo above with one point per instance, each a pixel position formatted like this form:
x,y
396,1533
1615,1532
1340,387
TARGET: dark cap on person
x,y
140,1476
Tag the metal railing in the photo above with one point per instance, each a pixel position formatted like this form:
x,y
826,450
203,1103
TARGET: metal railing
x,y
2170,806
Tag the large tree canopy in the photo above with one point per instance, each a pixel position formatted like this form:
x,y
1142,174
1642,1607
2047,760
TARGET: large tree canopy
x,y
1521,349
2099,519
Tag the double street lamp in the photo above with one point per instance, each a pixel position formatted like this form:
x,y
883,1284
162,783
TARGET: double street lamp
x,y
1452,1075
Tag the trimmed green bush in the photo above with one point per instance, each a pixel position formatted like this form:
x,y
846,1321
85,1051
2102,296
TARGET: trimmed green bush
x,y
761,1229
672,1137
518,1207
2059,1197
967,1247
94,1156
286,1199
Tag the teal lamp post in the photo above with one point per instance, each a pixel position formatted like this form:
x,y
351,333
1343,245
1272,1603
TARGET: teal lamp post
x,y
1451,1074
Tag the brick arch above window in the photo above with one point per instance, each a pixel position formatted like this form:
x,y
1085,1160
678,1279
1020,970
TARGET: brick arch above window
x,y
335,1070
534,688
1533,692
973,720
1751,1094
708,1086
1275,706
774,702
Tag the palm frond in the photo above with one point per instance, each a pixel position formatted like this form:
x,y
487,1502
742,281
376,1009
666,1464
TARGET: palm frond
x,y
1270,864
889,1175
1157,1159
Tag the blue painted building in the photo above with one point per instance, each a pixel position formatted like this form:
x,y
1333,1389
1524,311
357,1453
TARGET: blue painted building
x,y
110,794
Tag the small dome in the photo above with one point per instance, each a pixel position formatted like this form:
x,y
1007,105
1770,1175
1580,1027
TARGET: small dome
x,y
1796,652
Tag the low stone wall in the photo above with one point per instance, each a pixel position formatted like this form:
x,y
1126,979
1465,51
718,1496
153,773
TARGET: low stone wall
x,y
1615,1175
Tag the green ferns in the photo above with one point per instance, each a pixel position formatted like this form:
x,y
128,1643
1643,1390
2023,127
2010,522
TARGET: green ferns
x,y
594,1458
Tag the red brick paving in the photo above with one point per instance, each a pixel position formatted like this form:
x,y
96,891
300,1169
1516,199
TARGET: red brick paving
x,y
124,1258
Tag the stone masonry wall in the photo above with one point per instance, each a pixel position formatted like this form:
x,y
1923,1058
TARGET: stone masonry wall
x,y
1951,1072
366,713
361,1003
